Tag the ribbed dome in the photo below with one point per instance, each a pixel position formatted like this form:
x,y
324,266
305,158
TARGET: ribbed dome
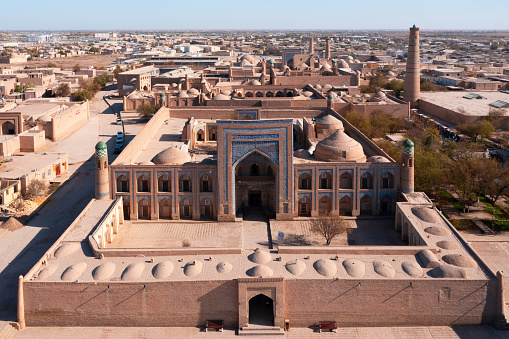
x,y
339,147
171,155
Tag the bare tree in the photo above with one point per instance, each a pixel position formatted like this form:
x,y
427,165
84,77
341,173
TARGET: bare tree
x,y
328,226
35,189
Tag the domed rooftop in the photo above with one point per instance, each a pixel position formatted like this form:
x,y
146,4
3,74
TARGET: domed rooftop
x,y
226,92
303,65
100,145
221,97
73,272
146,163
440,231
339,147
104,271
325,267
171,156
343,64
448,271
47,272
183,95
380,94
459,260
193,91
318,87
384,269
301,153
256,83
248,58
66,249
329,122
325,67
260,257
327,87
408,143
261,271
426,214
307,94
377,158
295,267
448,245
193,268
162,270
133,271
412,269
224,267
354,267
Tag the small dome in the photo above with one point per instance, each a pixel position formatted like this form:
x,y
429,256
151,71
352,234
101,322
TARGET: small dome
x,y
325,267
256,83
448,271
162,270
440,231
133,271
307,94
47,272
355,268
104,271
261,271
343,64
146,163
380,94
459,260
412,269
366,95
356,96
171,156
377,158
384,269
428,258
426,214
301,153
339,147
73,272
327,87
221,97
329,123
134,95
260,257
325,67
408,143
193,268
174,85
226,92
295,267
100,145
183,95
66,249
193,91
318,87
448,245
45,118
224,267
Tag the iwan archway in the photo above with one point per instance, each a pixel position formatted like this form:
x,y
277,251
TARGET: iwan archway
x,y
261,310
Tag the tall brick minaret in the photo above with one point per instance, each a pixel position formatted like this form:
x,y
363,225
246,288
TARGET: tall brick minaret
x,y
311,46
327,48
407,167
412,91
102,177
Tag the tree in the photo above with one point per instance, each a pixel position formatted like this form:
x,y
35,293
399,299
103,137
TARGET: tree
x,y
482,129
499,182
116,71
35,189
89,85
94,50
63,90
328,226
430,170
396,86
81,95
76,68
51,65
147,111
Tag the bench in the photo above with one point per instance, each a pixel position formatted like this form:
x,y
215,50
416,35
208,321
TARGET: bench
x,y
327,325
214,325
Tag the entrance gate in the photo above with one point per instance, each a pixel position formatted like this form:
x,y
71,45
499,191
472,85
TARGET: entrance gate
x,y
261,310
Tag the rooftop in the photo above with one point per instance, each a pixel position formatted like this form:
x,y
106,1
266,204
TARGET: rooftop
x,y
454,100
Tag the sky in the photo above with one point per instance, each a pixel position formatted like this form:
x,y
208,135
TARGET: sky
x,y
103,15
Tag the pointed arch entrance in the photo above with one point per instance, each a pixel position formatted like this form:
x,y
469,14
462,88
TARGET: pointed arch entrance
x,y
261,310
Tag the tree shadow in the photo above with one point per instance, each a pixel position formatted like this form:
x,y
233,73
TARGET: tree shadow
x,y
297,240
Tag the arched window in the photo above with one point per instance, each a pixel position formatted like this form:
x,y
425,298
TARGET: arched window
x,y
164,209
144,209
163,183
345,181
254,170
325,181
259,94
366,205
212,134
270,172
185,209
249,95
205,184
143,183
305,181
206,209
366,181
200,135
185,183
269,94
279,94
8,128
122,183
304,207
387,180
345,205
325,206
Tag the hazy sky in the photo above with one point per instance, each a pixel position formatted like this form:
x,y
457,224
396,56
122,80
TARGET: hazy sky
x,y
254,14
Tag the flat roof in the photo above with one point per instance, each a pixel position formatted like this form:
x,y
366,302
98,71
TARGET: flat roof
x,y
26,162
473,107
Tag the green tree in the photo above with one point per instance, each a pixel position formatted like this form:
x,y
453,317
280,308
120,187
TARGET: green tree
x,y
63,90
147,111
430,170
94,50
396,86
81,95
116,71
51,65
479,129
76,68
498,184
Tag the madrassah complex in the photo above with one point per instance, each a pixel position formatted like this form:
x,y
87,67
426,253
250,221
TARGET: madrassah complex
x,y
275,145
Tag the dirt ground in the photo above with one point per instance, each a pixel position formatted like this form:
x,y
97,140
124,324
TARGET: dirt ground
x,y
96,60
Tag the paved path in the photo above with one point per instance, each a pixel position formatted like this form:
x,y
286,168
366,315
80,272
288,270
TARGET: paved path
x,y
255,229
463,332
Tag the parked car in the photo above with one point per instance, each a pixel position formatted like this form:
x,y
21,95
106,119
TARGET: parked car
x,y
117,150
119,121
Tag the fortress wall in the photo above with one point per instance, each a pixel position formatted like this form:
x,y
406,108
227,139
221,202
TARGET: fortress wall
x,y
136,146
228,113
376,302
180,303
72,117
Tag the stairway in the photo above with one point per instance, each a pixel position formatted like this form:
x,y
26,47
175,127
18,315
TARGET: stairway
x,y
259,330
8,331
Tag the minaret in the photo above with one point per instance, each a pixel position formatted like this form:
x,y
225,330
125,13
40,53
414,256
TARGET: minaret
x,y
412,91
407,167
311,46
327,48
102,177
330,100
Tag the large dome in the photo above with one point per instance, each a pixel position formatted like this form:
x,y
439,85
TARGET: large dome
x,y
171,155
339,147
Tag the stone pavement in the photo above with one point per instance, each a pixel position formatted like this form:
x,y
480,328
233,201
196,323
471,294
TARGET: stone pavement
x,y
442,332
